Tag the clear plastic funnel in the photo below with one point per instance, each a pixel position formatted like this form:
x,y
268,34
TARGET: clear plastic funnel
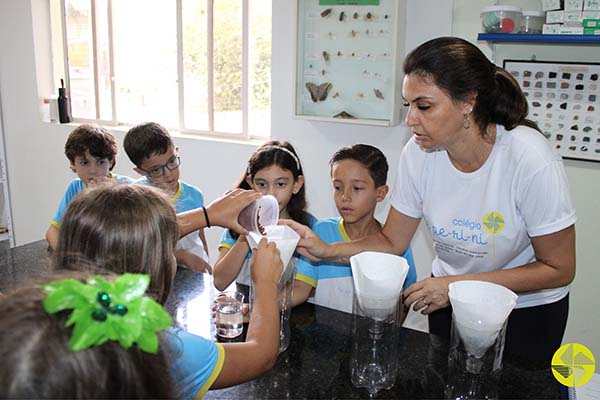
x,y
286,240
378,281
259,214
480,310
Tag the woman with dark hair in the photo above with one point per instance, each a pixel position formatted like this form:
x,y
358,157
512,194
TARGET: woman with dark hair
x,y
492,192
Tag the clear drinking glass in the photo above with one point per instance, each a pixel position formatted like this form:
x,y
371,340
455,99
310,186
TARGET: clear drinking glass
x,y
228,314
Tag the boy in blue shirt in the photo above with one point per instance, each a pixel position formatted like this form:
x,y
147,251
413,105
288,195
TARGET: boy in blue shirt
x,y
150,147
359,175
92,154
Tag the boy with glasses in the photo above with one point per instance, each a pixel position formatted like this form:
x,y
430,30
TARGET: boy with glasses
x,y
150,147
92,154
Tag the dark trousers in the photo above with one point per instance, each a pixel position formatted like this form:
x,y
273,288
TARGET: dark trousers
x,y
533,334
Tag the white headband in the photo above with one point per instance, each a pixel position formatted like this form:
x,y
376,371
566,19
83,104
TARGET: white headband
x,y
287,151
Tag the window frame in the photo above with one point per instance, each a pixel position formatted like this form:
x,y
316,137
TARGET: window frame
x,y
245,135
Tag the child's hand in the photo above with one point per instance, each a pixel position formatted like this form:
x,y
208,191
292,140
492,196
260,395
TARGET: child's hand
x,y
266,264
224,211
310,245
192,261
98,180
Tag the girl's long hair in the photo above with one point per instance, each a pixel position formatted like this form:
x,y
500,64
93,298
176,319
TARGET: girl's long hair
x,y
124,228
270,154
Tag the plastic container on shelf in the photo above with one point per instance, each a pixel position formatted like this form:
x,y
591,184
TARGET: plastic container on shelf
x,y
532,22
501,19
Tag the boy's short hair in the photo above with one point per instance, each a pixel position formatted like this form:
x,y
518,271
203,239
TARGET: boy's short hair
x,y
369,156
144,140
98,141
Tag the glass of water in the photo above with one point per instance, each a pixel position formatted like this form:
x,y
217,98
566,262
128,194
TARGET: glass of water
x,y
228,314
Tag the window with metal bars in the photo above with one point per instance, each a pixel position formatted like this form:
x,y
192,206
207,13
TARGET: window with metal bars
x,y
195,66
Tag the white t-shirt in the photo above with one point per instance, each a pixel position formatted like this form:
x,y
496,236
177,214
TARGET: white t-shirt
x,y
482,221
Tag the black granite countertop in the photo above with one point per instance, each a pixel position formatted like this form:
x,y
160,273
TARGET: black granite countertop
x,y
316,364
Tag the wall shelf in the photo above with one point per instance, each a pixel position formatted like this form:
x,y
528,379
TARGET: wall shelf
x,y
549,39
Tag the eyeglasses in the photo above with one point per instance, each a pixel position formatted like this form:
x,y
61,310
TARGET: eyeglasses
x,y
157,172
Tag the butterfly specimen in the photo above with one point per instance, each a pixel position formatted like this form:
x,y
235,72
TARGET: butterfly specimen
x,y
342,16
325,13
318,92
344,115
326,56
378,94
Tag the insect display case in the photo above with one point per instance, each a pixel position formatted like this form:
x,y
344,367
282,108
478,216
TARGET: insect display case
x,y
348,60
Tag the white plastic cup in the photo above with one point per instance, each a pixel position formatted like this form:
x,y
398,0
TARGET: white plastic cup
x,y
259,214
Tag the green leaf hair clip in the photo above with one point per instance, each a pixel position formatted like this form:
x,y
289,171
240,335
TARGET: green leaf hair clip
x,y
108,310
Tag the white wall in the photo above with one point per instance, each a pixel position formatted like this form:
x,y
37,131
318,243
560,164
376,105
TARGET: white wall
x,y
38,170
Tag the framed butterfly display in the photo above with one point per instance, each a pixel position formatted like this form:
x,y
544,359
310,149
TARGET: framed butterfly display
x,y
348,60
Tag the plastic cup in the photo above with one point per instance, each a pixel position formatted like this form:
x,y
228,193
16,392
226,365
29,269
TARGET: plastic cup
x,y
259,214
228,314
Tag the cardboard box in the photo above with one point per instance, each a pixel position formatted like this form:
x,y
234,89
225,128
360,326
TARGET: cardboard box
x,y
573,5
550,5
551,29
555,17
572,16
593,5
570,30
591,23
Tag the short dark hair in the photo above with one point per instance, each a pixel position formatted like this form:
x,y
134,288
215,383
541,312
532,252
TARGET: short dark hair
x,y
144,140
369,156
39,364
96,140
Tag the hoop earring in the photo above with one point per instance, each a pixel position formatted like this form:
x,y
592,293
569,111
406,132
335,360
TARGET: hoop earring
x,y
466,121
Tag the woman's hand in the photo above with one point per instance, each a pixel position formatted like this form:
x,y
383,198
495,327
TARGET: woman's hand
x,y
310,245
266,264
428,295
222,212
225,210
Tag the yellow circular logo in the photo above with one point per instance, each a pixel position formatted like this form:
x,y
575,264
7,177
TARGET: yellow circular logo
x,y
573,364
493,222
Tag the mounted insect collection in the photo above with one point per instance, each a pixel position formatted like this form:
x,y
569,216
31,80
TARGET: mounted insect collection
x,y
564,100
347,62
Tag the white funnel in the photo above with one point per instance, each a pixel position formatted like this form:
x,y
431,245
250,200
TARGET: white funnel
x,y
286,240
480,310
378,281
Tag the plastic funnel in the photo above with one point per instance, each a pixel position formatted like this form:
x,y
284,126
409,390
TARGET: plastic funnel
x,y
378,281
284,237
259,214
480,309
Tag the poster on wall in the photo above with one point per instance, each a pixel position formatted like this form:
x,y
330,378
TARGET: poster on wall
x,y
564,101
347,60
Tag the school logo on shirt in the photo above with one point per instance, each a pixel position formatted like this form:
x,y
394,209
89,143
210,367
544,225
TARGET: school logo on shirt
x,y
573,364
493,223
